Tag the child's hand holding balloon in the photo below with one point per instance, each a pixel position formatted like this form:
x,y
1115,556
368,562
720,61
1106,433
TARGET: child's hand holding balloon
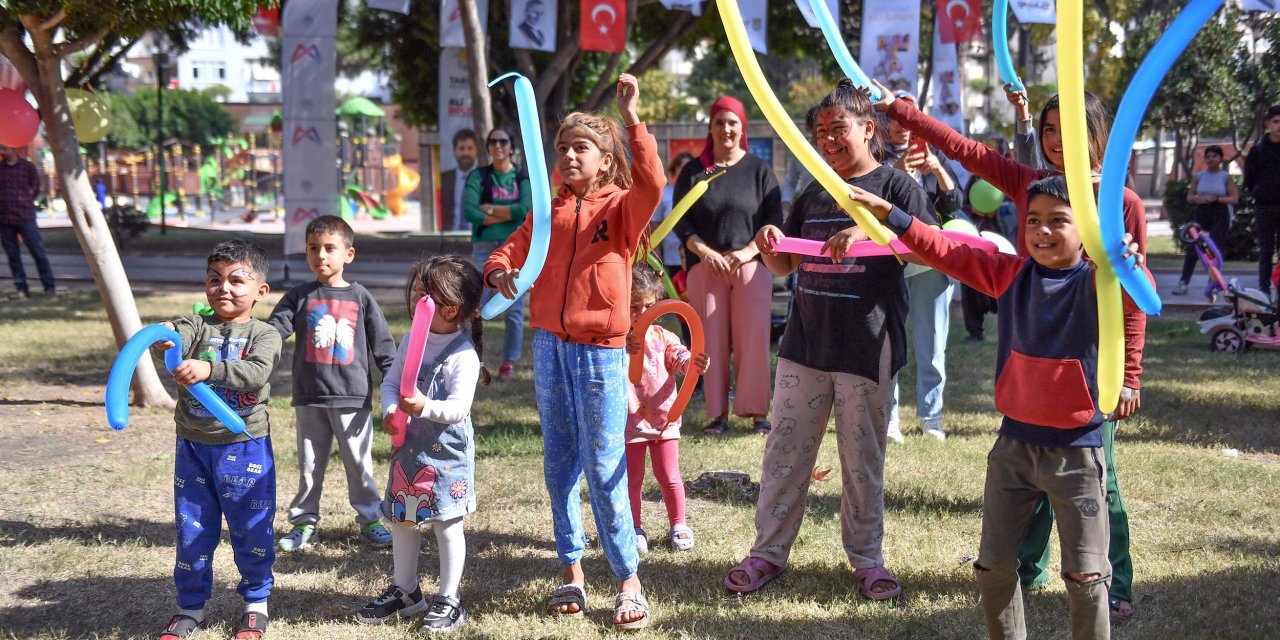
x,y
634,345
505,283
767,238
412,406
164,345
702,362
192,371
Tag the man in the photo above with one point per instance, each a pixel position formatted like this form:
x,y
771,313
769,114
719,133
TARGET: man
x,y
453,183
19,186
531,27
1262,179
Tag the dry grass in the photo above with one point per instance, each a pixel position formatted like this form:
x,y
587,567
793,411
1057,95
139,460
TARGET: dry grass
x,y
86,528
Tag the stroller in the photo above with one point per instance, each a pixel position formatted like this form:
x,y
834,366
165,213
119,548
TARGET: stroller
x,y
1248,317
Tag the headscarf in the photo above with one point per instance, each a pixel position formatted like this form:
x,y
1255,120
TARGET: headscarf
x,y
725,103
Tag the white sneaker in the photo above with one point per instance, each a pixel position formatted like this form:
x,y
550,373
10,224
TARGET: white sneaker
x,y
933,428
642,541
894,434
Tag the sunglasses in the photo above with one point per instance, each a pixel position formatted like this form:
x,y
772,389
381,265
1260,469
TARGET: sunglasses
x,y
500,142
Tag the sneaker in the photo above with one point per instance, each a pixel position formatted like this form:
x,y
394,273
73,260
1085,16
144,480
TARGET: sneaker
x,y
298,538
642,541
933,428
377,535
506,372
974,337
894,434
19,295
1180,289
393,602
446,614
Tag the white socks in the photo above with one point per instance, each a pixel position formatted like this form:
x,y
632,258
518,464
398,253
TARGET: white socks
x,y
406,543
256,607
197,614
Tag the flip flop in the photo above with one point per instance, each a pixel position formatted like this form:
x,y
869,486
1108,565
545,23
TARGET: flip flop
x,y
627,603
252,626
867,578
1117,615
569,594
760,572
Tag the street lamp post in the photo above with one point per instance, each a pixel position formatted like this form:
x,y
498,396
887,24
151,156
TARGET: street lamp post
x,y
162,61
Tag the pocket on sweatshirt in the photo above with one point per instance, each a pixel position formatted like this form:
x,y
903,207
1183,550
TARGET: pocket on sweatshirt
x,y
1047,392
595,299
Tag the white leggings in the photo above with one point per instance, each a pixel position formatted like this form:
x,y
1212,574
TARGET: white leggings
x,y
406,542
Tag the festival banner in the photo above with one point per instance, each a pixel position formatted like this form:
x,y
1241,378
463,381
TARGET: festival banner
x,y
692,6
959,20
451,22
945,96
1041,11
454,100
397,6
1262,5
533,25
755,14
602,25
309,149
807,11
890,42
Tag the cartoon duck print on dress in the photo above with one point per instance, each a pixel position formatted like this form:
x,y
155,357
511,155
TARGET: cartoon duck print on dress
x,y
412,502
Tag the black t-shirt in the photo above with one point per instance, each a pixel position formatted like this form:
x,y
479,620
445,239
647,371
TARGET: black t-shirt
x,y
734,207
842,313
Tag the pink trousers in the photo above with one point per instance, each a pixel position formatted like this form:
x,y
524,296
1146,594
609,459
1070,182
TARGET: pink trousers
x,y
735,312
666,469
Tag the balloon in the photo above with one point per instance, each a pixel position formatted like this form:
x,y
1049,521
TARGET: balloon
x,y
985,197
1000,43
636,366
539,244
786,128
90,115
117,399
839,49
1115,166
657,266
19,121
422,313
695,191
1075,151
869,249
960,225
1002,243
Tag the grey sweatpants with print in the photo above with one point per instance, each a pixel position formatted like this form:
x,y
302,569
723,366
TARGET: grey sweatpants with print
x,y
317,428
803,400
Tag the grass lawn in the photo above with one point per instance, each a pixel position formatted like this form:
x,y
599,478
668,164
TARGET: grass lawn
x,y
87,533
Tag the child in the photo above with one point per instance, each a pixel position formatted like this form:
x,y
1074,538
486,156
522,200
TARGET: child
x,y
433,473
648,404
844,343
1046,371
341,332
219,473
580,365
1014,179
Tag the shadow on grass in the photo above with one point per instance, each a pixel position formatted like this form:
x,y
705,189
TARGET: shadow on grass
x,y
54,401
15,533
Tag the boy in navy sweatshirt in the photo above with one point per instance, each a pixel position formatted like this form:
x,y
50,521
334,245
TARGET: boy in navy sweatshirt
x,y
1046,386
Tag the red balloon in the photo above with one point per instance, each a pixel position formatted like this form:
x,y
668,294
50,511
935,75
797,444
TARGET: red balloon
x,y
19,121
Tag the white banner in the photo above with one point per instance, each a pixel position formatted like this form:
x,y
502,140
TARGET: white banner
x,y
308,32
692,6
451,22
533,25
1262,5
890,42
455,102
755,15
1041,11
945,98
398,6
807,11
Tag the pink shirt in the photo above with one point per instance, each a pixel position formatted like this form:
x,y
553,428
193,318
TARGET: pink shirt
x,y
649,401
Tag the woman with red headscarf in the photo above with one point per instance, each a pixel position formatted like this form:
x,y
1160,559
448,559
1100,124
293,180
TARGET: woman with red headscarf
x,y
729,288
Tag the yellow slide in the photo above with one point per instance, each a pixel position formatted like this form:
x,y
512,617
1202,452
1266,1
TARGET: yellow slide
x,y
406,182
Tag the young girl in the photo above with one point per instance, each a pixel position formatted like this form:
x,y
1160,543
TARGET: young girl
x,y
648,403
1013,179
579,309
844,343
433,473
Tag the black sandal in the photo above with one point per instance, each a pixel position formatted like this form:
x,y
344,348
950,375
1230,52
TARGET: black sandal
x,y
716,428
569,594
180,627
762,427
252,626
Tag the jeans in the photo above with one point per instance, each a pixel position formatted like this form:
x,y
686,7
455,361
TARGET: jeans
x,y
513,337
30,233
930,317
1266,223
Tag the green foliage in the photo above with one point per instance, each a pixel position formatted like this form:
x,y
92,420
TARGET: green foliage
x,y
190,117
132,18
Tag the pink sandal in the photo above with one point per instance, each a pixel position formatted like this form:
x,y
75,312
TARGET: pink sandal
x,y
867,578
759,571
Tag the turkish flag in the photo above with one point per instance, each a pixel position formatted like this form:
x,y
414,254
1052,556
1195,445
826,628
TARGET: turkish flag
x,y
602,25
267,22
959,20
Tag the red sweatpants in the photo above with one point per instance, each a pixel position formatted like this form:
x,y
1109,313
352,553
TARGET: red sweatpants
x,y
666,468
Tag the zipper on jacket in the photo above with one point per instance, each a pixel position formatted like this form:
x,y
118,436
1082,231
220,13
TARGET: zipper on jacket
x,y
568,272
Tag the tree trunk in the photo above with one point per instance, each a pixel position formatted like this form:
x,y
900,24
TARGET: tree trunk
x,y
42,73
477,68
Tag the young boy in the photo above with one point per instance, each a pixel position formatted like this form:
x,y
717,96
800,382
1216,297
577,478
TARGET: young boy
x,y
1046,386
217,472
341,331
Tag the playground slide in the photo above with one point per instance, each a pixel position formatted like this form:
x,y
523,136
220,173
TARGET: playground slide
x,y
406,183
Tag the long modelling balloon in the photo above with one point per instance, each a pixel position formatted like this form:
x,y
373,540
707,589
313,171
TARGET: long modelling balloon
x,y
868,249
695,191
117,399
1124,130
1000,43
418,333
539,184
839,49
786,128
698,345
1075,151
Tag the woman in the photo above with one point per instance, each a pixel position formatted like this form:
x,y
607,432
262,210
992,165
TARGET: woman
x,y
728,286
496,202
1212,192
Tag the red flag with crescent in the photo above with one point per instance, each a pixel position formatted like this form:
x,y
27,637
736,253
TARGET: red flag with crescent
x,y
959,20
603,25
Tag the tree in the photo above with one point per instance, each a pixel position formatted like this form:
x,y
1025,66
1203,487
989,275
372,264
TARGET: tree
x,y
57,30
190,117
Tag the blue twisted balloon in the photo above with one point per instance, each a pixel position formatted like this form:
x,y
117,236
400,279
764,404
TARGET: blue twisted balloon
x,y
536,162
1000,42
117,399
1115,165
831,32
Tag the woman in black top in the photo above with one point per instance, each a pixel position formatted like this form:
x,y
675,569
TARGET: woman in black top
x,y
728,287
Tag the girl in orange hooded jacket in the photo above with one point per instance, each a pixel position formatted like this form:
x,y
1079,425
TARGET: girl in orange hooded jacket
x,y
580,306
